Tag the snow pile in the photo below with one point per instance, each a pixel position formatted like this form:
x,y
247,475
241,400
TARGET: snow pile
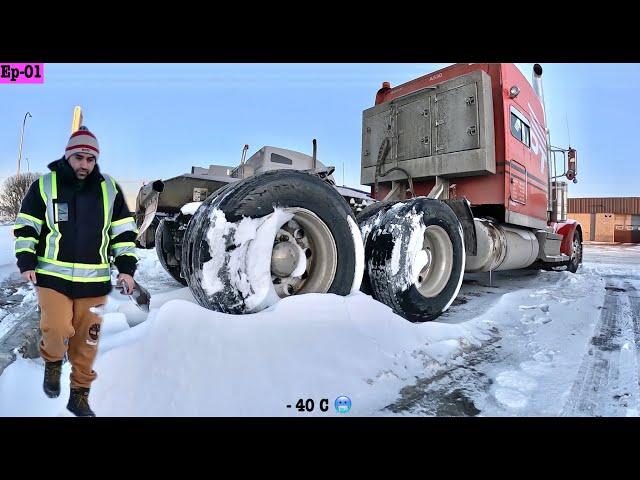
x,y
185,360
151,274
193,361
189,361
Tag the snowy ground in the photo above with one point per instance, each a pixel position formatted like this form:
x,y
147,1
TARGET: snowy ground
x,y
17,299
528,343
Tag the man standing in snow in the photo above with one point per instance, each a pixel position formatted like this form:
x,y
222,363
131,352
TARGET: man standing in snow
x,y
72,220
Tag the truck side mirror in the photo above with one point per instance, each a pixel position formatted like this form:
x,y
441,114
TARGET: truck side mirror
x,y
572,170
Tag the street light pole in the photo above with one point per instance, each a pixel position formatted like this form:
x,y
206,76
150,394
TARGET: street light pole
x,y
21,140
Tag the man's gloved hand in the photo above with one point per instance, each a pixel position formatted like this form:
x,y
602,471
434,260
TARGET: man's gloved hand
x,y
127,283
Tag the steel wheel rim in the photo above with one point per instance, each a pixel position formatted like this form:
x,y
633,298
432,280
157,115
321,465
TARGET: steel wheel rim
x,y
308,236
434,276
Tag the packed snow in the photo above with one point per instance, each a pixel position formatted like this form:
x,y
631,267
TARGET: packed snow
x,y
406,251
249,263
526,335
190,208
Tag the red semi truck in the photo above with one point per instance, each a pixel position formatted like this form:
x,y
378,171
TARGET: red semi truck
x,y
463,179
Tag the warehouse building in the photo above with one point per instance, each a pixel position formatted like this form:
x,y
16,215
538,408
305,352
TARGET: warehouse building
x,y
607,219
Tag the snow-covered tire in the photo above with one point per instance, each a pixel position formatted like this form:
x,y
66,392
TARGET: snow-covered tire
x,y
322,218
576,252
368,219
164,249
417,258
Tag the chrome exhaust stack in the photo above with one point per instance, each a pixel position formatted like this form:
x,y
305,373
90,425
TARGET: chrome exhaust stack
x,y
537,87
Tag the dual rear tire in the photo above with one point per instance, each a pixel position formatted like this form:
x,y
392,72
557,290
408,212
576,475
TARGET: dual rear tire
x,y
415,257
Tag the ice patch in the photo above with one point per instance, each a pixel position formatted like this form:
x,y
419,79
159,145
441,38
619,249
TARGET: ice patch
x,y
516,380
544,357
510,398
535,369
544,307
542,319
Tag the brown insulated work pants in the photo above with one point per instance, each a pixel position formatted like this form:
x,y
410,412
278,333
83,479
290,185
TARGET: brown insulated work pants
x,y
68,325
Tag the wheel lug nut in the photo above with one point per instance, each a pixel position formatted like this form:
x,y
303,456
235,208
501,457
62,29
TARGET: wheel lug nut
x,y
284,238
290,290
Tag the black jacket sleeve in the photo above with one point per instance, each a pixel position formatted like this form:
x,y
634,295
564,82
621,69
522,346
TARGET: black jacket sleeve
x,y
122,244
28,227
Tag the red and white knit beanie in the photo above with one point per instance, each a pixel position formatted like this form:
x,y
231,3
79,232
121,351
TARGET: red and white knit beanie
x,y
82,141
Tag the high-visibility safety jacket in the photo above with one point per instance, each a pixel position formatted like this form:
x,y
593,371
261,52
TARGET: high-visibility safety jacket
x,y
69,231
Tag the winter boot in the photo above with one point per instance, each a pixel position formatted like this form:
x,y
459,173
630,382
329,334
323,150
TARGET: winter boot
x,y
79,403
51,383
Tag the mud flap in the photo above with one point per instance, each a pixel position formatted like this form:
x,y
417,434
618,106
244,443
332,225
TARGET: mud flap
x,y
461,208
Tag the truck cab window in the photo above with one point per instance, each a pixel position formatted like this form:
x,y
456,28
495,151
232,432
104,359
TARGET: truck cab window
x,y
519,128
275,158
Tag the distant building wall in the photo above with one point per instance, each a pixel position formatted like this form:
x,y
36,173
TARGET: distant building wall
x,y
607,219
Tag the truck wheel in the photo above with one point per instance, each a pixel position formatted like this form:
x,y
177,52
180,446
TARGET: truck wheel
x,y
270,236
166,252
576,252
417,259
368,219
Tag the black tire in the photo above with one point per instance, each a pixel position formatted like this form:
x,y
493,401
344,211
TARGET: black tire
x,y
392,282
367,219
576,252
256,197
164,248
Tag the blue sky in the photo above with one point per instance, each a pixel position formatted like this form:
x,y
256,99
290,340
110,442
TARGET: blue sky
x,y
156,120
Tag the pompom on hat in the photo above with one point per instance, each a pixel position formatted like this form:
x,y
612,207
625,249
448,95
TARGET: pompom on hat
x,y
82,141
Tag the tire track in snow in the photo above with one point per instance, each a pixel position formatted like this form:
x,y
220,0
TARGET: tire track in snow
x,y
450,392
607,381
